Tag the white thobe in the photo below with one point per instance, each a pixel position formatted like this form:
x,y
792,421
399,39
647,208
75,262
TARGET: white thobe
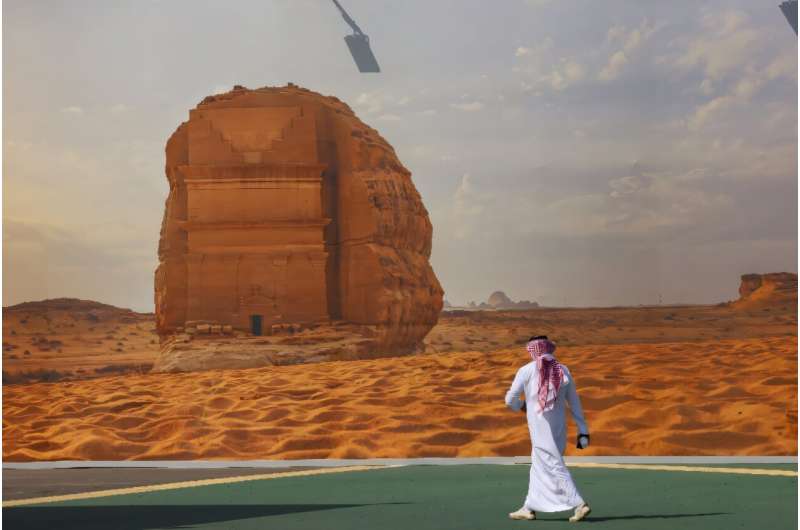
x,y
551,488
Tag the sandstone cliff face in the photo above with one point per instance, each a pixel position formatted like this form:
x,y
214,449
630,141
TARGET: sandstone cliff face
x,y
767,289
285,211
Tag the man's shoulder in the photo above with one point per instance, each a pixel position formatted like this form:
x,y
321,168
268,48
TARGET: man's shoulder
x,y
567,373
527,368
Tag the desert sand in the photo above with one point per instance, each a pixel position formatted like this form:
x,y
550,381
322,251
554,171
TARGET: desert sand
x,y
66,338
688,380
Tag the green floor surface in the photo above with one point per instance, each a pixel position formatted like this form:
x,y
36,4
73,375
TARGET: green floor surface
x,y
434,498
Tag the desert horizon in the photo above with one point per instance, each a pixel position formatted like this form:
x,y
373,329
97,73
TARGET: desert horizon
x,y
653,381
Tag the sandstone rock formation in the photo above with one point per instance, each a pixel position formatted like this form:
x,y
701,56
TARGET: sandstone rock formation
x,y
776,288
289,220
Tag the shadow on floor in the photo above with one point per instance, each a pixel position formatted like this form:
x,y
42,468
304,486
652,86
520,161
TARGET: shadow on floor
x,y
142,517
590,518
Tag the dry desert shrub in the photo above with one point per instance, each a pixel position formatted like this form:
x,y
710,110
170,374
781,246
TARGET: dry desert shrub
x,y
41,375
124,368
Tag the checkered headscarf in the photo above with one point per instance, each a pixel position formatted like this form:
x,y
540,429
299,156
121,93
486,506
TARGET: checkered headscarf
x,y
550,373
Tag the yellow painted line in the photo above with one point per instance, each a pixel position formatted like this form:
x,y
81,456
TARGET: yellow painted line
x,y
695,469
187,484
325,471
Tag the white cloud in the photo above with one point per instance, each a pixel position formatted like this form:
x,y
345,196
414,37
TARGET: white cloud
x,y
74,110
724,42
567,73
730,52
15,146
640,205
630,42
615,33
381,104
370,102
471,106
637,36
467,204
784,66
538,68
534,59
389,117
119,108
751,80
705,112
615,64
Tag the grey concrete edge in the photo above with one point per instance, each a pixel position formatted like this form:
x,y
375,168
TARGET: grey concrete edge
x,y
317,463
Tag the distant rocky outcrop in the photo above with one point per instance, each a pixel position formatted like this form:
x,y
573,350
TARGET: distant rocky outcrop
x,y
499,300
764,290
74,308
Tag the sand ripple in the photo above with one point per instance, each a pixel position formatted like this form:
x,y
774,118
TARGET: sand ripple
x,y
722,397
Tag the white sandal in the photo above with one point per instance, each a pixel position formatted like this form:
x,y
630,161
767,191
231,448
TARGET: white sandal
x,y
580,512
523,514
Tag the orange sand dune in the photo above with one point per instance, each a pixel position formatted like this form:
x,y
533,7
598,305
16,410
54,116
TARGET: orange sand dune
x,y
702,397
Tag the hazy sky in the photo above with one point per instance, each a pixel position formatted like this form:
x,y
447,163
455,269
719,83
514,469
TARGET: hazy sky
x,y
569,152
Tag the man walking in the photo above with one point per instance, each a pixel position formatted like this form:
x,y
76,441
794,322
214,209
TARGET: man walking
x,y
547,385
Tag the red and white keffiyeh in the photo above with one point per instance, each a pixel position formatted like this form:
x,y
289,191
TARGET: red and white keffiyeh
x,y
550,373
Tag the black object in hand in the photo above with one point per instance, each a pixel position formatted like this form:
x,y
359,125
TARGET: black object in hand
x,y
578,441
524,406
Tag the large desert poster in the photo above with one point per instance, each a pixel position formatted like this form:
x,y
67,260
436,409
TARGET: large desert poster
x,y
229,236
